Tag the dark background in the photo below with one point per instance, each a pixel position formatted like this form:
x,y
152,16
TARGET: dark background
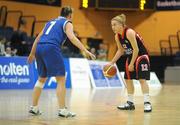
x,y
43,2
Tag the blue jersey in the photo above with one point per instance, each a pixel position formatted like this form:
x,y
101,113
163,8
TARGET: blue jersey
x,y
54,32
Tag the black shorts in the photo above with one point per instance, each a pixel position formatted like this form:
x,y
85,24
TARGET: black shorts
x,y
141,68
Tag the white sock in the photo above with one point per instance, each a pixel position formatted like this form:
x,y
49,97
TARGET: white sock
x,y
35,108
146,97
62,108
130,98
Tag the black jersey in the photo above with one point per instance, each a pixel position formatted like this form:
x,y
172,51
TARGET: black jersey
x,y
127,45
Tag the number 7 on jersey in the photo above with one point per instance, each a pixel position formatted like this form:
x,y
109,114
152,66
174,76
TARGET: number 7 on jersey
x,y
52,23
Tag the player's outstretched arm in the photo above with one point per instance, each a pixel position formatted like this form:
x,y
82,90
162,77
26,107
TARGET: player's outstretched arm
x,y
70,34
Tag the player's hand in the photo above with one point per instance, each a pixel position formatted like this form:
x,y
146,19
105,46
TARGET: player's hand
x,y
31,58
131,68
90,55
110,64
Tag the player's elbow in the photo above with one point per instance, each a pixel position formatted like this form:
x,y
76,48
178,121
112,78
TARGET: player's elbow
x,y
73,39
70,36
120,52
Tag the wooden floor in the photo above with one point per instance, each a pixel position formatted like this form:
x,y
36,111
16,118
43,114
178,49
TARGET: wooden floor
x,y
93,107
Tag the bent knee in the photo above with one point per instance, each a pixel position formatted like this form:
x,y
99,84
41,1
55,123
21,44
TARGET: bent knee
x,y
39,84
42,80
61,79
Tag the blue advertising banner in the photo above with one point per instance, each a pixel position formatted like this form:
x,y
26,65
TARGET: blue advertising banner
x,y
99,80
16,73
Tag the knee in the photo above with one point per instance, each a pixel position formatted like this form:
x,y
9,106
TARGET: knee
x,y
60,78
40,82
142,82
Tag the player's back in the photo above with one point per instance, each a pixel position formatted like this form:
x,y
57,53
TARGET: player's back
x,y
53,32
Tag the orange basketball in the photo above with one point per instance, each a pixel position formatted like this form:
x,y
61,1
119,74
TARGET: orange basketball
x,y
109,70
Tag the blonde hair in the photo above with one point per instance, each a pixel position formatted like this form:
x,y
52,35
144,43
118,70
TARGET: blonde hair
x,y
120,18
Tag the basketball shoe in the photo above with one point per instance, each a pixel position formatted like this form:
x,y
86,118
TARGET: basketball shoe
x,y
127,106
147,107
35,111
65,113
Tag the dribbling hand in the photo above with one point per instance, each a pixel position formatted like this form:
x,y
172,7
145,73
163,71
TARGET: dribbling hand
x,y
110,63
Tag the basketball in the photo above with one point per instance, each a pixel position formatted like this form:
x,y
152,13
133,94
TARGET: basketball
x,y
109,71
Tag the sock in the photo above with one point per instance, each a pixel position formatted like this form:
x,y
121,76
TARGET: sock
x,y
130,98
146,97
35,108
62,108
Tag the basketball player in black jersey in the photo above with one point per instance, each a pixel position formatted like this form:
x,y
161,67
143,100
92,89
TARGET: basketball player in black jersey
x,y
137,63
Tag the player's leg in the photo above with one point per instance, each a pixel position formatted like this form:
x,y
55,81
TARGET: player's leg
x,y
55,67
41,67
129,105
130,90
37,89
61,91
61,94
143,74
145,90
36,95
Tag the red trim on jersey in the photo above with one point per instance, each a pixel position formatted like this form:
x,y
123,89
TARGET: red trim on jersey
x,y
123,33
139,59
119,36
127,70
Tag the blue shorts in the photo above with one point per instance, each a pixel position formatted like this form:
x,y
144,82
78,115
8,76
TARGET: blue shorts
x,y
49,60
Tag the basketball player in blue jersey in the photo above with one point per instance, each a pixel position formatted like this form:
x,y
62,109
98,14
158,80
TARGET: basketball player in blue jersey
x,y
137,63
46,50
